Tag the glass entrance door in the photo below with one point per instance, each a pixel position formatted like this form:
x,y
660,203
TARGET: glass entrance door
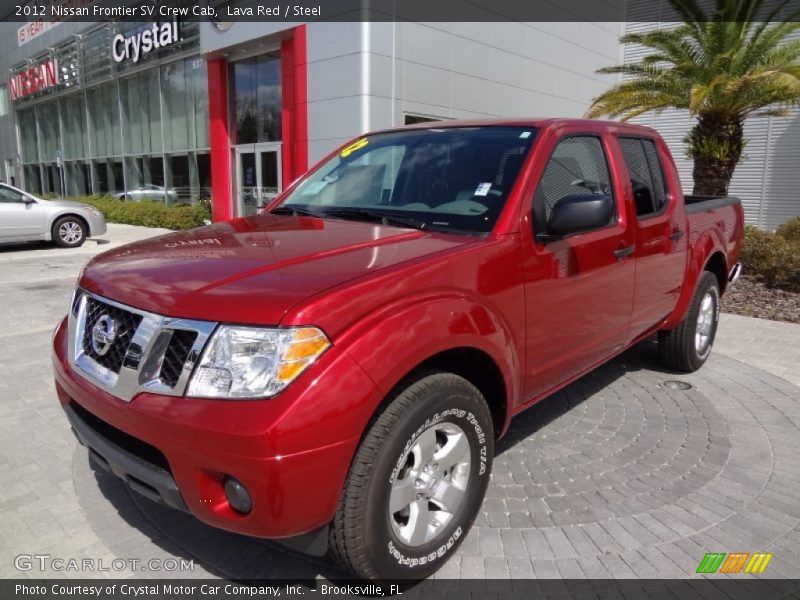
x,y
258,176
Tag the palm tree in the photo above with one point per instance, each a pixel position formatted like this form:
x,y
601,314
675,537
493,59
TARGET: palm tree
x,y
722,67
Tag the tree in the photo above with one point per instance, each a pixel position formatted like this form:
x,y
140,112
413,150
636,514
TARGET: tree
x,y
722,67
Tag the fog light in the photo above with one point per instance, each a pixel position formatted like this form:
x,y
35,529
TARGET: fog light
x,y
238,496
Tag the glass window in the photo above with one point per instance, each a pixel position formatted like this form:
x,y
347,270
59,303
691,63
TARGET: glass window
x,y
49,135
103,105
68,61
185,91
199,84
180,179
33,179
176,106
455,179
26,122
578,166
414,119
9,196
257,99
141,113
78,181
644,170
3,100
204,175
73,117
96,61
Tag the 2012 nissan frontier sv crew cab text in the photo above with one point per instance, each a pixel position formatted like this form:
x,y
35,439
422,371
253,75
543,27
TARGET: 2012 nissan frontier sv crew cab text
x,y
334,371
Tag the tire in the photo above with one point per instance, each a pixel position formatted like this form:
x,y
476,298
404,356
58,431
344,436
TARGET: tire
x,y
69,232
434,412
687,347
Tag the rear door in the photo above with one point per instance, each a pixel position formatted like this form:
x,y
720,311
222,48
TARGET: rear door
x,y
578,290
19,220
661,240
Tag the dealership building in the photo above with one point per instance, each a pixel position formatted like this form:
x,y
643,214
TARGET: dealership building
x,y
233,112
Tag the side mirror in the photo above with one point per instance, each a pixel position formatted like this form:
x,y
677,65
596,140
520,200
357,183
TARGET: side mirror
x,y
580,212
28,200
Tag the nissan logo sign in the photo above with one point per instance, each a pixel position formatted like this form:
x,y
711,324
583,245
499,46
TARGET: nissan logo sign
x,y
104,333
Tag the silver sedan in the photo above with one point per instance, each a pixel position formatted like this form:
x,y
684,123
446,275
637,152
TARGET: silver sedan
x,y
25,218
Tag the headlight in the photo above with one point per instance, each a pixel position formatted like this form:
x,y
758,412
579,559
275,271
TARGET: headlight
x,y
254,362
95,211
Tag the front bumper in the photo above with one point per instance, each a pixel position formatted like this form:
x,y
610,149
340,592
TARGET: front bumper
x,y
97,224
292,452
147,478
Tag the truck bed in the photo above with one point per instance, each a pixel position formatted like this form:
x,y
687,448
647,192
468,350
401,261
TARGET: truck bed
x,y
696,204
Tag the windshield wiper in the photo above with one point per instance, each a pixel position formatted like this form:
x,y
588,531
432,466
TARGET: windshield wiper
x,y
294,211
374,215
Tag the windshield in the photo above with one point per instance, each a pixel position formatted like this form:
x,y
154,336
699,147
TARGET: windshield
x,y
449,179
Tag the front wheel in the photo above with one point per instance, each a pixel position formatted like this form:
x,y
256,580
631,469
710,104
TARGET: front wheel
x,y
417,481
687,347
69,232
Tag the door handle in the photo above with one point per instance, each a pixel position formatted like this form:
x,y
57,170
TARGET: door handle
x,y
676,235
623,252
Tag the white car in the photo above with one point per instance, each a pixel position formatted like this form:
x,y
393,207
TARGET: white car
x,y
26,218
155,193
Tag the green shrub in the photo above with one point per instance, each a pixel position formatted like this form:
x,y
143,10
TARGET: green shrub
x,y
150,214
774,258
790,230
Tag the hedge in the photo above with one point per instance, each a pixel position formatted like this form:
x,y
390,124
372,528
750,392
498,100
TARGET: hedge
x,y
774,258
149,213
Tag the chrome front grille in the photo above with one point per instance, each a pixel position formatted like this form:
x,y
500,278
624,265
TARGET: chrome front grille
x,y
126,324
175,357
125,350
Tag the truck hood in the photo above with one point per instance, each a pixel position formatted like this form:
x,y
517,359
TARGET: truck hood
x,y
252,270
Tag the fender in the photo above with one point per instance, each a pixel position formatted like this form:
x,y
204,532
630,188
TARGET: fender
x,y
389,343
707,244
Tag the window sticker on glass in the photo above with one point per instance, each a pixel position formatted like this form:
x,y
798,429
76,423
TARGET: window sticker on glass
x,y
357,145
525,135
483,189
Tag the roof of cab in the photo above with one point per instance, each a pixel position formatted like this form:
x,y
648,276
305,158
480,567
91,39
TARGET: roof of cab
x,y
540,123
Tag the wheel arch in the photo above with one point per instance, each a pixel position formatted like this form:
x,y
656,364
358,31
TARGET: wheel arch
x,y
474,365
717,265
447,333
706,255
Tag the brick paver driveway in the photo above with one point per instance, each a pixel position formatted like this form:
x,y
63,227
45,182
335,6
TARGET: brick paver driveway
x,y
629,472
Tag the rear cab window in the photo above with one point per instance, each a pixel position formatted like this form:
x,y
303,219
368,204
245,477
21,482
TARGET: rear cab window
x,y
646,175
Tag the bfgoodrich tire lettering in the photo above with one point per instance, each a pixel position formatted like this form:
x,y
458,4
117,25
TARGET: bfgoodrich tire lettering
x,y
687,347
372,533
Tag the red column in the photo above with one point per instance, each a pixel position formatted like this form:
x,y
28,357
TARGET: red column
x,y
219,139
294,110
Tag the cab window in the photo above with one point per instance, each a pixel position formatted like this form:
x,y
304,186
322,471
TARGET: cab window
x,y
646,175
577,167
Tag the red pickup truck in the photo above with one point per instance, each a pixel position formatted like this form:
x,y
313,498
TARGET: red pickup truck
x,y
334,371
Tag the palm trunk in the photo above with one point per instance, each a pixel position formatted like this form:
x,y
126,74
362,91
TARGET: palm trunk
x,y
716,143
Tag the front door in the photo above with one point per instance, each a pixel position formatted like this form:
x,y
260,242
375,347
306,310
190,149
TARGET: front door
x,y
258,176
19,220
579,289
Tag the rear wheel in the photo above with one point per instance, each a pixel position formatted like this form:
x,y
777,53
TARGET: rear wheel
x,y
69,232
687,347
417,481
